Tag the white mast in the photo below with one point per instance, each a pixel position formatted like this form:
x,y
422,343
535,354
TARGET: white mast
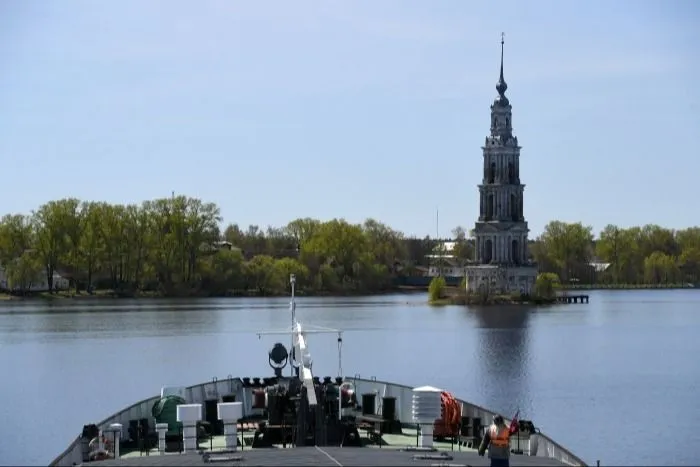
x,y
293,309
300,350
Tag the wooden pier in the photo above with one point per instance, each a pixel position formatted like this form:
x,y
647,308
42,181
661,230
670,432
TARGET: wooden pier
x,y
572,298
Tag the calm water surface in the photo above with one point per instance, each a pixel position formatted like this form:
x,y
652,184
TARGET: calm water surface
x,y
578,371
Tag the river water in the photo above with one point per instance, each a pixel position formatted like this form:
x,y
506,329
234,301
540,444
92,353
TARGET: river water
x,y
613,380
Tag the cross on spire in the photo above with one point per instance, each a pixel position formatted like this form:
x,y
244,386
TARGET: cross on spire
x,y
501,86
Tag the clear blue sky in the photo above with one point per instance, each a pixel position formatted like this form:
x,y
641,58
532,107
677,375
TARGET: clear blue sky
x,y
354,109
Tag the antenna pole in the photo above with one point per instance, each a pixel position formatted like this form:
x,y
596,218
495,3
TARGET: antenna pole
x,y
437,239
293,308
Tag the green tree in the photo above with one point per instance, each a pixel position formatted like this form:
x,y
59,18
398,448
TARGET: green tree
x,y
689,260
689,264
23,272
279,242
656,238
546,285
91,240
54,224
287,266
17,235
609,248
255,241
328,279
17,257
540,255
201,227
137,224
112,231
660,268
263,276
620,247
385,243
339,244
463,250
222,272
688,238
567,245
436,289
234,235
72,224
301,230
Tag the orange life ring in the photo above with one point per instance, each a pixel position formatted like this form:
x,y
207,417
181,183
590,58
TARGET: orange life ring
x,y
451,416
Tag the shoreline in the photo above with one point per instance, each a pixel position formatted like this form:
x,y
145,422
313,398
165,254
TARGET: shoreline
x,y
110,294
453,297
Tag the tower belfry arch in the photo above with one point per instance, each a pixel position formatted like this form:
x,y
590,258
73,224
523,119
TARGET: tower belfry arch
x,y
501,231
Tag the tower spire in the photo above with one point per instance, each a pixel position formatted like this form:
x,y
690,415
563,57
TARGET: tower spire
x,y
501,86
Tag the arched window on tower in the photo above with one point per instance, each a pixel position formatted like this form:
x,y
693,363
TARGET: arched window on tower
x,y
507,122
514,208
487,254
520,207
511,173
489,207
492,173
515,252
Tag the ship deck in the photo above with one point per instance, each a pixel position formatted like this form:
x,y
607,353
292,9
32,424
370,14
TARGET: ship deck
x,y
394,451
326,456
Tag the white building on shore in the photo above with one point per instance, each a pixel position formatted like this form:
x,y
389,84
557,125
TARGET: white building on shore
x,y
443,261
40,284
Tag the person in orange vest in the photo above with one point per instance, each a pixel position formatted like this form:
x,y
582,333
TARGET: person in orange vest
x,y
497,441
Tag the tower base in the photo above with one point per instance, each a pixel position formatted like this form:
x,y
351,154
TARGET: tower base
x,y
501,279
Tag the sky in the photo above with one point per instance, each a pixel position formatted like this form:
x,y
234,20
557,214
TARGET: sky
x,y
276,110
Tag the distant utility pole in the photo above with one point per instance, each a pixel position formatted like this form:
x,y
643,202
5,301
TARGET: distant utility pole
x,y
439,244
437,222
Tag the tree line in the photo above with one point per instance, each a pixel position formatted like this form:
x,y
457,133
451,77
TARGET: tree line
x,y
176,246
650,254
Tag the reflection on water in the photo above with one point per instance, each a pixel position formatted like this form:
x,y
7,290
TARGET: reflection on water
x,y
503,357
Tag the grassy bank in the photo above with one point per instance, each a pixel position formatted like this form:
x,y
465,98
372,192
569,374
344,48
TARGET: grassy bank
x,y
494,300
64,294
458,296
